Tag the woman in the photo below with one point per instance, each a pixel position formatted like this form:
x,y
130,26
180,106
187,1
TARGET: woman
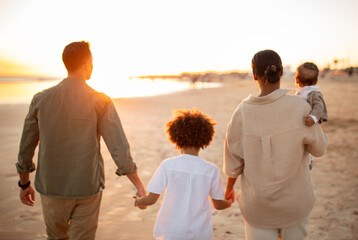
x,y
265,144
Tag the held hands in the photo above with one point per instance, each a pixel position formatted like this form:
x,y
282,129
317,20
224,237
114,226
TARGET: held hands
x,y
137,202
229,202
230,195
143,201
308,121
140,194
27,196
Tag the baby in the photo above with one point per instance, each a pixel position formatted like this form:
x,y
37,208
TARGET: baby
x,y
189,181
306,80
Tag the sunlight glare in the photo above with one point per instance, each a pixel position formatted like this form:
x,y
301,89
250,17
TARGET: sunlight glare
x,y
126,88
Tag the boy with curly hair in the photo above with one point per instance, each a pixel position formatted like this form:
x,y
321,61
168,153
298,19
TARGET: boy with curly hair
x,y
188,180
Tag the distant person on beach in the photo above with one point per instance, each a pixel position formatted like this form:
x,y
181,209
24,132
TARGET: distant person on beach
x,y
188,180
306,80
67,121
350,71
265,144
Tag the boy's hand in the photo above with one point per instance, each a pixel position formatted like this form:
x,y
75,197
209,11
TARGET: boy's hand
x,y
308,121
136,204
140,193
229,202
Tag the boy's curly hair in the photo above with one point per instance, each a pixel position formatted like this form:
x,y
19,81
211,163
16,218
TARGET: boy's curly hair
x,y
190,128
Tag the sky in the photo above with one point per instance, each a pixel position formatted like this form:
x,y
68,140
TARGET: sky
x,y
132,38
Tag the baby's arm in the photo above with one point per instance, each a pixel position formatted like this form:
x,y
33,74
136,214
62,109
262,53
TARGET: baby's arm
x,y
317,109
310,120
221,204
146,200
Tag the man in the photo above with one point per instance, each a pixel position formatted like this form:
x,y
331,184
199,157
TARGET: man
x,y
68,121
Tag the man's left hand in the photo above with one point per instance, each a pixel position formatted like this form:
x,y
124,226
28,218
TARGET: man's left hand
x,y
27,196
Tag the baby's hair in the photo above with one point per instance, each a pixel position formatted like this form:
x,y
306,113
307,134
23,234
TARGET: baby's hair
x,y
190,128
307,73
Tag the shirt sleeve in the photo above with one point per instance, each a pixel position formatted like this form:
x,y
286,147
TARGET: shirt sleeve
x,y
318,105
314,118
217,187
233,153
111,129
29,141
159,181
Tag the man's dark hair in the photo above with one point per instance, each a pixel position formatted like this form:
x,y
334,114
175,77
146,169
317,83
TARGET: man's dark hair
x,y
267,64
76,54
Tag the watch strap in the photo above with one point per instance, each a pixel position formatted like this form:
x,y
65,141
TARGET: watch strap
x,y
24,186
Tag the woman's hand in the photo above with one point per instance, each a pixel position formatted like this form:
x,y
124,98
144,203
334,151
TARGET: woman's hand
x,y
230,195
229,192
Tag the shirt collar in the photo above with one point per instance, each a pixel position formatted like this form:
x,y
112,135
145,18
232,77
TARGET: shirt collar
x,y
74,80
277,94
304,91
190,156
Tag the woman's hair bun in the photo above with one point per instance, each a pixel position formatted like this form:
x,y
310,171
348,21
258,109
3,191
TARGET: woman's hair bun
x,y
267,64
270,70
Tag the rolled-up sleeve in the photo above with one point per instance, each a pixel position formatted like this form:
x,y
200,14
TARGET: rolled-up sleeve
x,y
111,129
29,141
233,159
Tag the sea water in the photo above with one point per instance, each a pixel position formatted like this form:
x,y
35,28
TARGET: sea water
x,y
20,90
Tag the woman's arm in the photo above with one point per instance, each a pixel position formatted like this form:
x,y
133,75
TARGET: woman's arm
x,y
229,192
315,140
147,200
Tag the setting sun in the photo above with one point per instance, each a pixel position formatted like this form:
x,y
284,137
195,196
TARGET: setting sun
x,y
133,38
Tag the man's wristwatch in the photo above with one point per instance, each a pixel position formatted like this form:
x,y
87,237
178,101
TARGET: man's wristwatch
x,y
26,185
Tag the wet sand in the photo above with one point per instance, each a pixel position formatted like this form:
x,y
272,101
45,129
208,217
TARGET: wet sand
x,y
335,175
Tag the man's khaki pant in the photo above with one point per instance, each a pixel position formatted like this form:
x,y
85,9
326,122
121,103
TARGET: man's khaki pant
x,y
74,219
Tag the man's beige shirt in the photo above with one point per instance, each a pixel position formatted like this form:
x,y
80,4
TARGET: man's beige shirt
x,y
68,121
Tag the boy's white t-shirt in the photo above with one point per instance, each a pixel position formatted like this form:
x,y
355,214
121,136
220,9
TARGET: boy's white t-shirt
x,y
186,210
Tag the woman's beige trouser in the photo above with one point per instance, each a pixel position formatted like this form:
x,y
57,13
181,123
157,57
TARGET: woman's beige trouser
x,y
296,232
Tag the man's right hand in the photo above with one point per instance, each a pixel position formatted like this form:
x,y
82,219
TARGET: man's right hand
x,y
134,178
27,196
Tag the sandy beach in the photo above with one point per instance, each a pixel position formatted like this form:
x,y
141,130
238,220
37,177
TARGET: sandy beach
x,y
335,175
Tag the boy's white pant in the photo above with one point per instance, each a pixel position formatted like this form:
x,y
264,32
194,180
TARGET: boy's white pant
x,y
296,232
